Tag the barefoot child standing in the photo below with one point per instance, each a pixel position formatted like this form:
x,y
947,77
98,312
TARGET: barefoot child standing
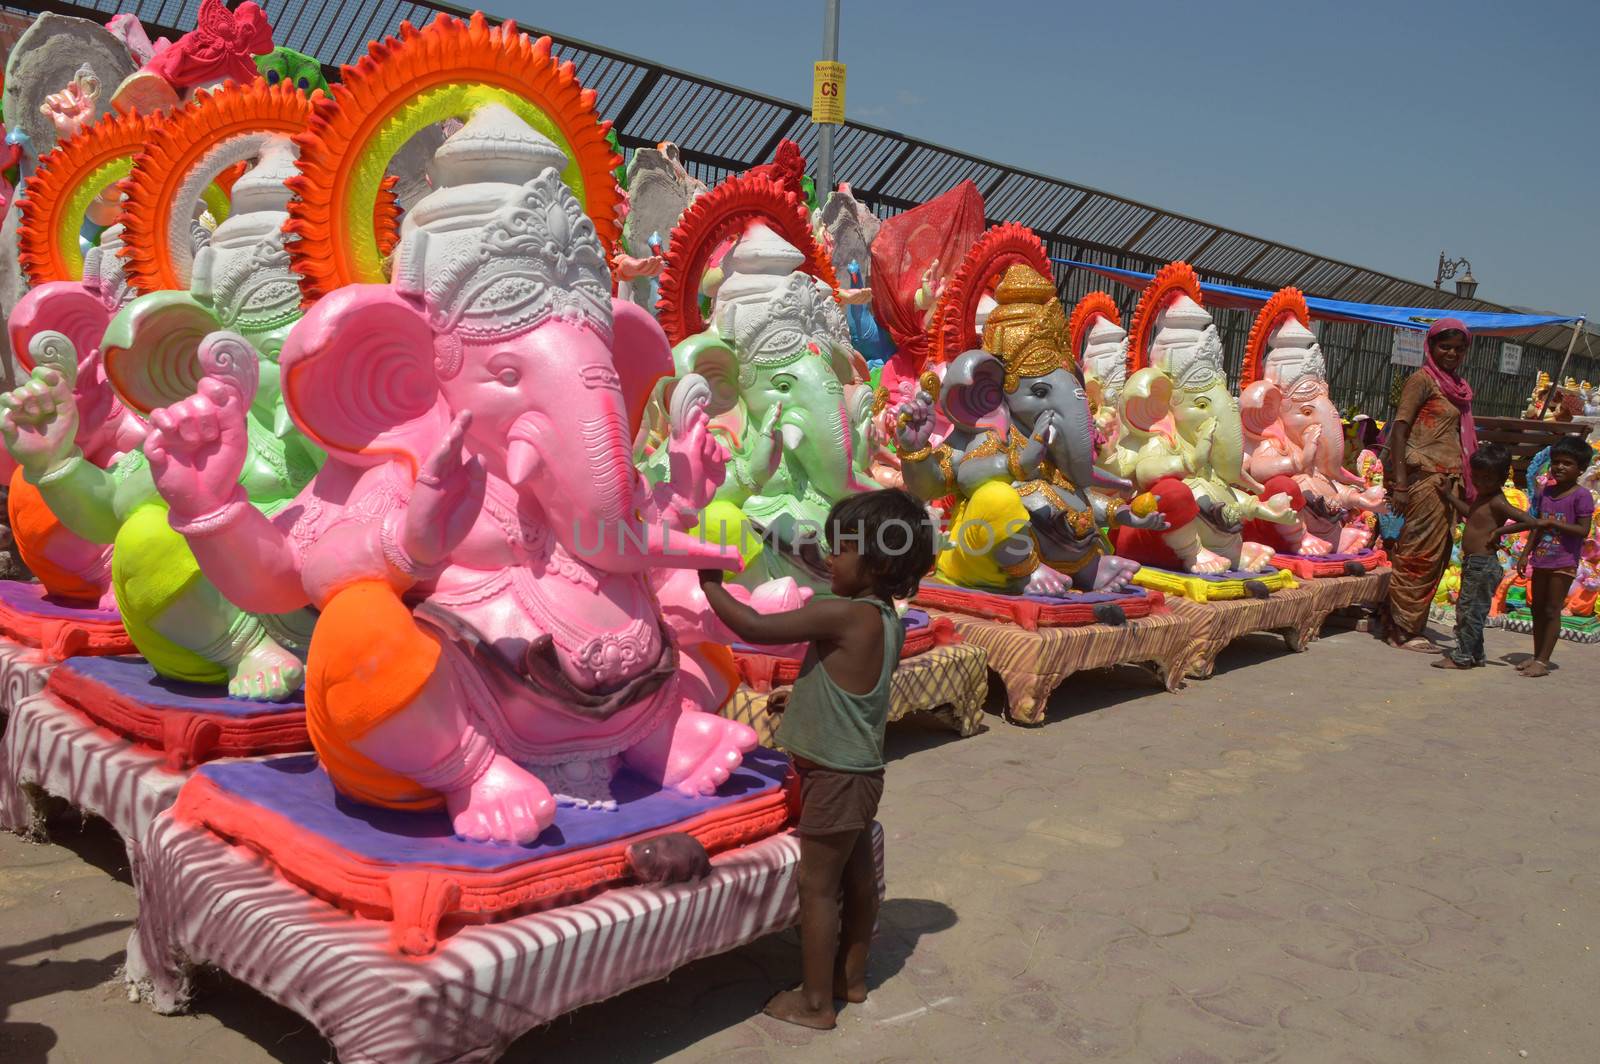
x,y
1486,517
1565,512
881,544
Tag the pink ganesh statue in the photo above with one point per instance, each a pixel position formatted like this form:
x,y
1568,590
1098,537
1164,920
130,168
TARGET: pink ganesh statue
x,y
58,325
489,566
1292,428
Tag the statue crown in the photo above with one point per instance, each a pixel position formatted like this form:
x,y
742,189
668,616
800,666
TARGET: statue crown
x,y
772,312
493,258
1294,361
1027,329
243,271
1186,345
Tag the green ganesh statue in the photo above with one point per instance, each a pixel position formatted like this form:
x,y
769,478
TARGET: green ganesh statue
x,y
202,321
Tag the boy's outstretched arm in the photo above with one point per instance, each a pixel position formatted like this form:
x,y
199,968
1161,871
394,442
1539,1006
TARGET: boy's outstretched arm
x,y
1502,510
816,620
1455,501
1524,521
1568,528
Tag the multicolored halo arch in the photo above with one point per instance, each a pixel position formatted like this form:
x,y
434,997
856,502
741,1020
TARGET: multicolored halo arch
x,y
725,212
407,83
67,180
1090,307
205,138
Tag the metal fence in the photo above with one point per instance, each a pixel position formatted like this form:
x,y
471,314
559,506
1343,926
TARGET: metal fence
x,y
721,130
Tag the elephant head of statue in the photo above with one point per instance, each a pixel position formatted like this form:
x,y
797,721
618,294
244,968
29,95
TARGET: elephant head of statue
x,y
1026,366
1175,355
775,349
1284,385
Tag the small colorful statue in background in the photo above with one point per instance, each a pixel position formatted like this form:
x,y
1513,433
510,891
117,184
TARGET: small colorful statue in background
x,y
295,68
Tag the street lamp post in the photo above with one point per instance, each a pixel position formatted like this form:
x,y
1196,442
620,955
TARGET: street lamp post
x,y
1466,285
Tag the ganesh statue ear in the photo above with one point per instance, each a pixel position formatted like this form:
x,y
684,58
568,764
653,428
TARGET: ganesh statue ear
x,y
152,349
359,375
1259,408
709,355
64,307
973,388
642,356
1146,398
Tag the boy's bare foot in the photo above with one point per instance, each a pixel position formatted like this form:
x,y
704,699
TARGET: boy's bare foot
x,y
1449,663
844,990
790,1007
1536,668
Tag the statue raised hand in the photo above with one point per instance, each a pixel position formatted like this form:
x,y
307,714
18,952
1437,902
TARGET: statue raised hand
x,y
73,108
197,446
446,499
914,422
39,419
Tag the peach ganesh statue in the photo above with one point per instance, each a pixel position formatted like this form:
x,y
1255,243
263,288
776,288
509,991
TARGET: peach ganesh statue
x,y
1293,429
478,542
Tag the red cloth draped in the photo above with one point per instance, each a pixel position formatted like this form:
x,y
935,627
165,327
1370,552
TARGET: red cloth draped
x,y
907,244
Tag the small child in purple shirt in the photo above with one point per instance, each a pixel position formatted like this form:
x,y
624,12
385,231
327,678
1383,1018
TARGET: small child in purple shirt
x,y
1564,515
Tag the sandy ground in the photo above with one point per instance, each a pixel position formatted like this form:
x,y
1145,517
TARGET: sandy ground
x,y
1342,856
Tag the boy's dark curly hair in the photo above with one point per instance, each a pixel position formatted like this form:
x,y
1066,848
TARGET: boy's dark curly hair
x,y
1492,458
894,534
1575,449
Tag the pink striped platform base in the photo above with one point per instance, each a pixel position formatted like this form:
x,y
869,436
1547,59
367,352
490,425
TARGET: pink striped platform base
x,y
205,902
23,672
49,749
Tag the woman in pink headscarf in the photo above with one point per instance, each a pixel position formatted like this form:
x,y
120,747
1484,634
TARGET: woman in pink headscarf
x,y
1430,439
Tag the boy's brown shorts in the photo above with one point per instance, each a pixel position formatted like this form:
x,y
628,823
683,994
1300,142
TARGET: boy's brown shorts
x,y
832,801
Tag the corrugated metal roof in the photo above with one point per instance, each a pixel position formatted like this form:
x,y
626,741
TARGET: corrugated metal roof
x,y
721,129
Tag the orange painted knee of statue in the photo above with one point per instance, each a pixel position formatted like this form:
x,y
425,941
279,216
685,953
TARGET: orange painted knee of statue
x,y
368,661
67,565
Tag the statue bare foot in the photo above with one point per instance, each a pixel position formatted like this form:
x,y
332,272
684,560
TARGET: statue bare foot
x,y
1312,546
506,805
1206,561
1114,574
693,752
1354,539
1254,557
266,672
1046,581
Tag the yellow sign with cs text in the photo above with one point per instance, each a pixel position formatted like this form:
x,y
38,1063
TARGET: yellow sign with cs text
x,y
827,93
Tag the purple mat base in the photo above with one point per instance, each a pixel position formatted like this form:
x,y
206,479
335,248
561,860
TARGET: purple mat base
x,y
1092,598
296,788
32,598
136,680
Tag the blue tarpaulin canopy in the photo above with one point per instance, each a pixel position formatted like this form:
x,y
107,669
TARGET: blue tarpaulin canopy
x,y
1482,323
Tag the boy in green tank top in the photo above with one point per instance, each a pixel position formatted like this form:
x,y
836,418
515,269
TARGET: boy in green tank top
x,y
880,545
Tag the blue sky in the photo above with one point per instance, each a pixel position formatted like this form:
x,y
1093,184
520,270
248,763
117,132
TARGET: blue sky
x,y
1377,133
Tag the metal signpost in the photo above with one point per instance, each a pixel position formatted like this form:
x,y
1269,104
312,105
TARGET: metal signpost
x,y
827,97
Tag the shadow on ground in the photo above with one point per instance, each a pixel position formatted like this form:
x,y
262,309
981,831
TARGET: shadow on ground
x,y
718,993
27,972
